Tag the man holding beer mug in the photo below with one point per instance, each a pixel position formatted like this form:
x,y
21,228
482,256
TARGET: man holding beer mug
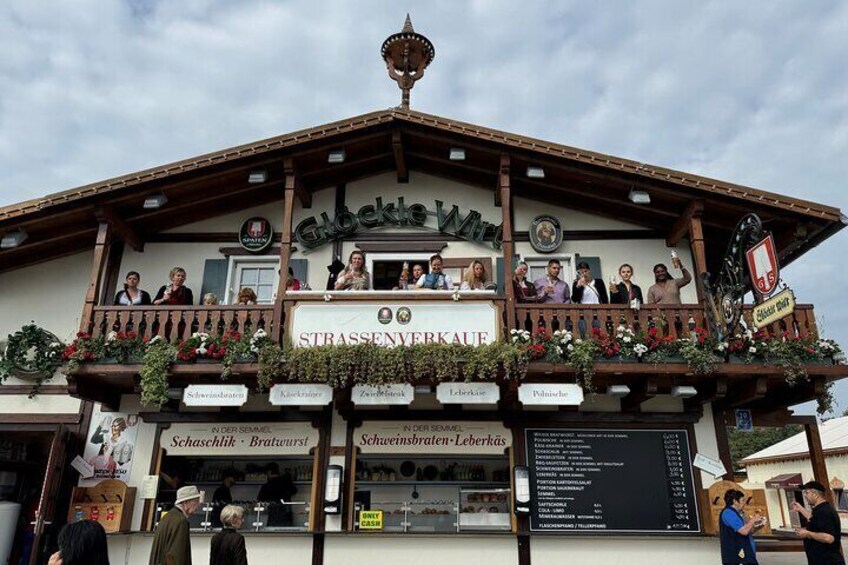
x,y
551,288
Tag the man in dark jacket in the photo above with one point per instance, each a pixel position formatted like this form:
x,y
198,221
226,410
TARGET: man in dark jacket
x,y
822,535
228,546
275,491
172,543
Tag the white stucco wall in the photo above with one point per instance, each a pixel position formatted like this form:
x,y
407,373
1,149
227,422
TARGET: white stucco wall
x,y
364,549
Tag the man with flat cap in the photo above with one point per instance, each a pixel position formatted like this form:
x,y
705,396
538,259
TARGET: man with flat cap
x,y
822,535
172,543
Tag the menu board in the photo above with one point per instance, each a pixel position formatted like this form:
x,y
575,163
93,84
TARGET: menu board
x,y
611,480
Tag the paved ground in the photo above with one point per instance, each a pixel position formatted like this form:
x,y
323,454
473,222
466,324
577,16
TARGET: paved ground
x,y
789,558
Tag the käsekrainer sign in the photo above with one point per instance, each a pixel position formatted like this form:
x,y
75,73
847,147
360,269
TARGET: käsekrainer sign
x,y
449,437
258,439
394,324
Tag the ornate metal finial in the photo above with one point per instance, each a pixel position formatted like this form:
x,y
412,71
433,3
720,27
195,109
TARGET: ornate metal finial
x,y
407,54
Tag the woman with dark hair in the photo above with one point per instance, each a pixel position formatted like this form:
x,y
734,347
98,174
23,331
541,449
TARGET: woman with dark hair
x,y
355,276
736,531
176,293
625,292
81,543
522,289
132,295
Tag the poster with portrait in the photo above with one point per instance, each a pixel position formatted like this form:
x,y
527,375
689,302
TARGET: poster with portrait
x,y
110,445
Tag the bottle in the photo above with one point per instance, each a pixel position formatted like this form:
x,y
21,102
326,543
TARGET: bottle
x,y
78,514
404,276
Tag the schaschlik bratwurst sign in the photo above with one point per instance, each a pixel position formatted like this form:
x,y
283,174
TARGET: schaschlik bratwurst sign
x,y
315,232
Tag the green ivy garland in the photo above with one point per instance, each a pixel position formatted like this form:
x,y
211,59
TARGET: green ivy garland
x,y
31,353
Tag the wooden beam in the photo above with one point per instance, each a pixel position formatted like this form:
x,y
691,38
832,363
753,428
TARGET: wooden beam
x,y
645,391
699,256
709,391
98,265
507,245
681,226
400,158
285,240
811,429
720,425
746,393
120,228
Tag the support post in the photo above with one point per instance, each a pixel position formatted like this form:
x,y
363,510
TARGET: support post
x,y
285,243
98,266
699,256
811,429
508,245
723,443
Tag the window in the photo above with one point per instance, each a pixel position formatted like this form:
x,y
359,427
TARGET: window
x,y
538,265
841,499
259,275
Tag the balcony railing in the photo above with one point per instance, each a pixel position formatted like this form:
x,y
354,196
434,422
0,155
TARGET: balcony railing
x,y
175,323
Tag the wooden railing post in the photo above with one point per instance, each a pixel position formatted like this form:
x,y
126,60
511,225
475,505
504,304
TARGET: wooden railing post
x,y
285,242
508,244
696,242
98,266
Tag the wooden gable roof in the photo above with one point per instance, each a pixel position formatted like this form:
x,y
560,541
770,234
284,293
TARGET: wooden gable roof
x,y
403,140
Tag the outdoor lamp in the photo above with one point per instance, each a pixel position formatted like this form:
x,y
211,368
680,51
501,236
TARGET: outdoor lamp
x,y
336,156
683,391
639,197
333,490
457,154
257,176
618,390
13,239
521,479
535,172
155,202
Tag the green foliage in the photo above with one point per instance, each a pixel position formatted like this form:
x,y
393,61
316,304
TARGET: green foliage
x,y
743,444
154,372
32,353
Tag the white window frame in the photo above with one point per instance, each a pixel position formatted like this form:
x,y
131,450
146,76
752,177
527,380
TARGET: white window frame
x,y
539,264
392,256
241,261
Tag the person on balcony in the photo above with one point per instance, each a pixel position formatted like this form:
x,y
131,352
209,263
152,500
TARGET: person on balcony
x,y
524,290
435,279
355,276
246,296
475,277
209,299
292,283
551,288
176,293
667,289
132,295
625,292
588,290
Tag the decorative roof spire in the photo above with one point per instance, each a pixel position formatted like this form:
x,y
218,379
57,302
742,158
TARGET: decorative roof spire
x,y
407,54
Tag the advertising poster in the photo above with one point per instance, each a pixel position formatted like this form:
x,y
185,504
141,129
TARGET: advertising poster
x,y
110,445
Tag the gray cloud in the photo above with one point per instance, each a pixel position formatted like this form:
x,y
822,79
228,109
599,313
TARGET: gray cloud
x,y
753,93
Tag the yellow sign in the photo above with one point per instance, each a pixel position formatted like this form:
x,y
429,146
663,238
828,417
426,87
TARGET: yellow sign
x,y
370,519
778,306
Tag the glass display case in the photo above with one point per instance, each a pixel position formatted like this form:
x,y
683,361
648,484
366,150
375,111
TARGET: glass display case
x,y
484,509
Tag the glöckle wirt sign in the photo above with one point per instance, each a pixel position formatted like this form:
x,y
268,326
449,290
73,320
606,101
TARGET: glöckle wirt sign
x,y
395,324
449,437
259,439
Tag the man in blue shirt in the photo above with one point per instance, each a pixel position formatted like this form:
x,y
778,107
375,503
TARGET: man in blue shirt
x,y
736,532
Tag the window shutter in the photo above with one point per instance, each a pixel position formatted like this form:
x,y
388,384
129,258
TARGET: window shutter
x,y
594,264
300,269
214,279
498,278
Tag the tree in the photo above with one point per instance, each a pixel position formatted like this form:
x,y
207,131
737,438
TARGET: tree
x,y
743,444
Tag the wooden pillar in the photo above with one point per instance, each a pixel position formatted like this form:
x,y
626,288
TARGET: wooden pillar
x,y
98,266
285,243
508,245
817,456
723,443
696,243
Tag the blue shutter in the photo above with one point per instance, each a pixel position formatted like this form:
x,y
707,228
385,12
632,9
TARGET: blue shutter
x,y
214,279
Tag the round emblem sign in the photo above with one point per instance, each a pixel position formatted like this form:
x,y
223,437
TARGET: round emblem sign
x,y
256,234
384,315
404,315
545,234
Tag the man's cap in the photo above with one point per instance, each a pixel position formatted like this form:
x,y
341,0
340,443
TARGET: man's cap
x,y
187,493
814,485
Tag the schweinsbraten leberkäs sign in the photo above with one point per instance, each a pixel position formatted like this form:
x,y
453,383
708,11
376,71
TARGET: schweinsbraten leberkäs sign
x,y
256,234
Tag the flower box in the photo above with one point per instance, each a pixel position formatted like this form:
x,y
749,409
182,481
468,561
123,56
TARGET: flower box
x,y
619,359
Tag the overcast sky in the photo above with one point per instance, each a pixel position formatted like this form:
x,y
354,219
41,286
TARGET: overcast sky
x,y
749,92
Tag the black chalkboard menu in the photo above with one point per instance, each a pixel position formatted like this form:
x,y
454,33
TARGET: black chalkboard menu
x,y
633,481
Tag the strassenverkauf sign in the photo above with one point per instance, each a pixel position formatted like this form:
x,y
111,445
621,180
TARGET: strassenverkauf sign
x,y
271,438
449,438
395,323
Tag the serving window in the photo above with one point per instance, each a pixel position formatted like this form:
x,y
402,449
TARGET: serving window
x,y
432,477
267,468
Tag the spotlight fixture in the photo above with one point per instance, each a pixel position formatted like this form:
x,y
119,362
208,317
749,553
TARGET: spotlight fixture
x,y
13,239
457,154
535,172
336,156
683,391
618,390
155,202
639,197
257,176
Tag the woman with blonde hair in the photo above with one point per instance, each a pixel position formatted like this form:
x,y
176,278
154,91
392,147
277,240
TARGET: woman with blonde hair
x,y
354,276
475,277
228,545
176,293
